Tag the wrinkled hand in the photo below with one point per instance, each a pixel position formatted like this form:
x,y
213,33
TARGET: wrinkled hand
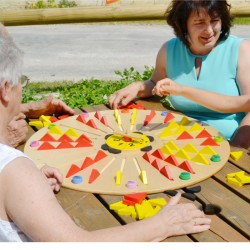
x,y
124,96
241,138
166,87
185,218
17,130
48,106
54,177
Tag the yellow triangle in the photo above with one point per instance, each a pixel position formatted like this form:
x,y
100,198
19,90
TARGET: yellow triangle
x,y
179,130
44,118
208,150
157,202
172,125
184,121
190,148
182,154
36,124
201,159
72,132
166,150
55,130
195,127
117,205
172,145
236,155
165,133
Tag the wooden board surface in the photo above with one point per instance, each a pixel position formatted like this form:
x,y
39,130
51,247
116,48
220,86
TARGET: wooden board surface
x,y
105,183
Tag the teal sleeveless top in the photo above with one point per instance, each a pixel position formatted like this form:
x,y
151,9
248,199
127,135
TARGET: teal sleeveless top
x,y
218,74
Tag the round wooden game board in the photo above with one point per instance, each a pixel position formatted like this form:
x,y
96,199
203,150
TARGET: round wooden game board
x,y
92,147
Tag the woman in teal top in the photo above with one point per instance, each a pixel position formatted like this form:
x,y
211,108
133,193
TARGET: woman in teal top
x,y
219,68
205,70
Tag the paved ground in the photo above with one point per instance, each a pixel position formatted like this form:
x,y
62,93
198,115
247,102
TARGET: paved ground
x,y
83,51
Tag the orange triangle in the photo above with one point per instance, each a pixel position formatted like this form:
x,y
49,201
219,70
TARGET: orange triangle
x,y
65,138
53,119
203,134
166,172
93,176
168,117
46,146
64,144
83,137
137,197
81,118
73,170
157,164
172,160
47,137
157,153
91,123
184,135
148,157
187,167
100,155
209,142
87,162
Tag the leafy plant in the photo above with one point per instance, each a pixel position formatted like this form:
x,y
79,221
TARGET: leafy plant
x,y
42,4
84,92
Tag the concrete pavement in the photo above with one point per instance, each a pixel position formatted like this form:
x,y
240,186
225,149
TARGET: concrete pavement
x,y
84,51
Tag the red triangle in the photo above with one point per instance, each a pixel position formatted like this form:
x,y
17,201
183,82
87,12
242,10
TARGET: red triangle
x,y
100,155
73,170
93,176
87,162
81,118
91,123
166,172
203,134
184,135
46,146
62,117
157,153
64,144
187,167
209,142
83,144
168,117
148,157
104,121
157,164
172,160
149,117
53,119
128,202
83,137
98,115
137,197
65,138
47,137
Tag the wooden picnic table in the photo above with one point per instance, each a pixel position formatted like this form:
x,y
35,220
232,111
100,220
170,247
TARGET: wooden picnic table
x,y
232,224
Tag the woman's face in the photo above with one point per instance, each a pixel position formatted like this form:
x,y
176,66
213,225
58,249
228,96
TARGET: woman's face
x,y
203,32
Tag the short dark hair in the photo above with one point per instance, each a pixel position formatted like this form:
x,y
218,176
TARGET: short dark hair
x,y
179,10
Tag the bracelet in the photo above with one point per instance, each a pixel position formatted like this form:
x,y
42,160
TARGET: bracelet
x,y
152,81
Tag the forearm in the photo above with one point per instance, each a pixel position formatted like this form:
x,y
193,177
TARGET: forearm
x,y
217,102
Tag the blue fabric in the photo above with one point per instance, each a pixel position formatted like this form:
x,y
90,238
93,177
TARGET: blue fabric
x,y
218,74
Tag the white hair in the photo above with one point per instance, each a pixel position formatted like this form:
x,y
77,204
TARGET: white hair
x,y
11,59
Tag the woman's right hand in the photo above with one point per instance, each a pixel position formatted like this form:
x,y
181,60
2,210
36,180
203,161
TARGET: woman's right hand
x,y
125,95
